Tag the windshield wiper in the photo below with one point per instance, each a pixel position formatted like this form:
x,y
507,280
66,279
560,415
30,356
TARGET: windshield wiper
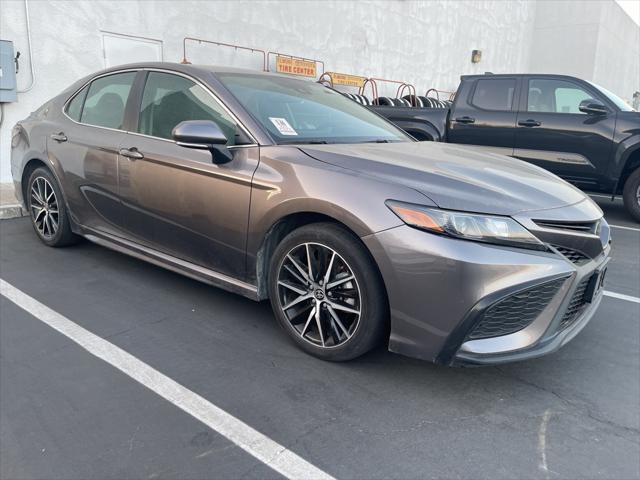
x,y
378,140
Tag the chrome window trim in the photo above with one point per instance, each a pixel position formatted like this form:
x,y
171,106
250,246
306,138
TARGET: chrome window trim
x,y
107,74
162,70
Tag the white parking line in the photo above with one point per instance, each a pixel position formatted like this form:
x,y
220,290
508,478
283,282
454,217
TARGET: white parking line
x,y
622,296
269,452
625,228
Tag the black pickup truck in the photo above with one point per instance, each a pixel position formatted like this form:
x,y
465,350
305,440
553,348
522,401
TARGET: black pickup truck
x,y
577,130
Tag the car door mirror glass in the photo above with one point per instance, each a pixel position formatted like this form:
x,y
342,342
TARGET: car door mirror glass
x,y
592,107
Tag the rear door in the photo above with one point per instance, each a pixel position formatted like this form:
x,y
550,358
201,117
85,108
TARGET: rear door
x,y
86,149
176,200
486,115
554,134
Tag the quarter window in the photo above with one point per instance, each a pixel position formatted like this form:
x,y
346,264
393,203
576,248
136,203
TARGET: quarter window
x,y
494,94
170,99
74,109
106,100
556,96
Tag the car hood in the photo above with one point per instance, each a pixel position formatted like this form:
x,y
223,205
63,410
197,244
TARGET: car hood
x,y
454,177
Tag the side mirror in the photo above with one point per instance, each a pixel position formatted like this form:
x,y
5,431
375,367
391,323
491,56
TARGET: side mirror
x,y
592,107
203,135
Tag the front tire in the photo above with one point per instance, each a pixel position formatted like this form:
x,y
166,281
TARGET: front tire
x,y
631,194
327,293
47,210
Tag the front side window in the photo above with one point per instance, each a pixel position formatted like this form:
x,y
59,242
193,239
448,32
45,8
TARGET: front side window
x,y
106,100
494,94
298,111
555,96
170,99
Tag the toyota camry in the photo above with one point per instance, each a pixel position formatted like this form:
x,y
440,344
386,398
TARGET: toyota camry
x,y
282,189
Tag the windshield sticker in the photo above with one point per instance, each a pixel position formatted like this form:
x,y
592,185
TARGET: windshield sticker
x,y
283,126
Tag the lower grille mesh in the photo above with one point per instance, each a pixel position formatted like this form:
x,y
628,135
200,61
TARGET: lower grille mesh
x,y
576,304
515,312
574,256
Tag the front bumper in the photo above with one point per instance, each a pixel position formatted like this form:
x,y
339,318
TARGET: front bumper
x,y
439,288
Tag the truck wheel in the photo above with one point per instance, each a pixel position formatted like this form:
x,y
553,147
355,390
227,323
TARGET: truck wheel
x,y
631,194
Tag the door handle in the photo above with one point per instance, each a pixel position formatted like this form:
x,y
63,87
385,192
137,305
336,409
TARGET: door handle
x,y
131,153
465,119
529,123
59,137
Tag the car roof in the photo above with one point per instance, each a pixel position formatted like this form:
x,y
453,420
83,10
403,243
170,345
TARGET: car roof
x,y
511,75
193,69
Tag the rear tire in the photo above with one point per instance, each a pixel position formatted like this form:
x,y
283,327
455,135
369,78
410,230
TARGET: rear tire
x,y
631,194
47,210
345,287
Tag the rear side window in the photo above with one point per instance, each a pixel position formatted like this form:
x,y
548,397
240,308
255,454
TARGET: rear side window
x,y
494,94
74,108
170,99
555,96
106,100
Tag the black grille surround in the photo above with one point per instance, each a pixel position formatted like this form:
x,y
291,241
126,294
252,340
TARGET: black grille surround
x,y
576,305
515,312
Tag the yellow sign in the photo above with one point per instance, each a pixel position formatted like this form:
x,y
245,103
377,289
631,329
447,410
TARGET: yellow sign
x,y
347,80
295,66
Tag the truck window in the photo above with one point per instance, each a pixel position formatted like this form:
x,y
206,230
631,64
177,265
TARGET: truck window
x,y
555,96
494,94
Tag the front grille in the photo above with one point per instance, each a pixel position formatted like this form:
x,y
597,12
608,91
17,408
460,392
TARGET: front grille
x,y
576,305
584,227
516,311
575,256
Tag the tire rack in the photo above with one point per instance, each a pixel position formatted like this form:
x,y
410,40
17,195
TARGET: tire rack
x,y
402,87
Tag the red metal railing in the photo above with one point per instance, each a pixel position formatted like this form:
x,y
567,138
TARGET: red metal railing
x,y
221,44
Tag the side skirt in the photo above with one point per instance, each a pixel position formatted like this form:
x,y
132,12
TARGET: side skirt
x,y
174,264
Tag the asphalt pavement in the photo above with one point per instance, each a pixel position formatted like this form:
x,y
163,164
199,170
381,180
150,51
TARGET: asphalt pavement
x,y
66,414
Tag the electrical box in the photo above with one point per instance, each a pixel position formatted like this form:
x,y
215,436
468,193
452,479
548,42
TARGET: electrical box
x,y
7,73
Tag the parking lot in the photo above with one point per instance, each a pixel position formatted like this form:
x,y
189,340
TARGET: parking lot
x,y
64,413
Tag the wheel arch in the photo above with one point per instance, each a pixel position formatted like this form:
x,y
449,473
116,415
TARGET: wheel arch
x,y
281,228
631,164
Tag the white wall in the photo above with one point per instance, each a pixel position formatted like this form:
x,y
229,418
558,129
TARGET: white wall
x,y
426,43
594,40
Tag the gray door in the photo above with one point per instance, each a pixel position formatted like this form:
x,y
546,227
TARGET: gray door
x,y
86,148
176,200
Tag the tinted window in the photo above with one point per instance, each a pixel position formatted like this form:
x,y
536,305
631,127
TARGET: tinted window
x,y
494,94
74,108
557,96
170,99
106,100
299,111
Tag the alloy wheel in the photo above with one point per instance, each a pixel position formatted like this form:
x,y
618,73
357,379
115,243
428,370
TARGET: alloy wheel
x,y
638,195
319,295
44,208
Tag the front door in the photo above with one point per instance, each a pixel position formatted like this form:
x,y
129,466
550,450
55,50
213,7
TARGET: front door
x,y
554,134
175,199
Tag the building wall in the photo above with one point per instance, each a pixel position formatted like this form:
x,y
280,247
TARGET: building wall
x,y
594,40
426,43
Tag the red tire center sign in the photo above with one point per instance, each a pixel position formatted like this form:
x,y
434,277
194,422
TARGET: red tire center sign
x,y
296,66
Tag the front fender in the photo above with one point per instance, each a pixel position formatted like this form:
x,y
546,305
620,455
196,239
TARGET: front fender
x,y
622,160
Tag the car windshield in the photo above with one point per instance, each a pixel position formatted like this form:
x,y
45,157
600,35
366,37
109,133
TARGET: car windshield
x,y
298,111
621,104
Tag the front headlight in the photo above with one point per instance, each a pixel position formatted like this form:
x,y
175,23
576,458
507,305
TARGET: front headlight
x,y
468,226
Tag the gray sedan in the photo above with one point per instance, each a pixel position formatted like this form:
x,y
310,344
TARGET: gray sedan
x,y
282,189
